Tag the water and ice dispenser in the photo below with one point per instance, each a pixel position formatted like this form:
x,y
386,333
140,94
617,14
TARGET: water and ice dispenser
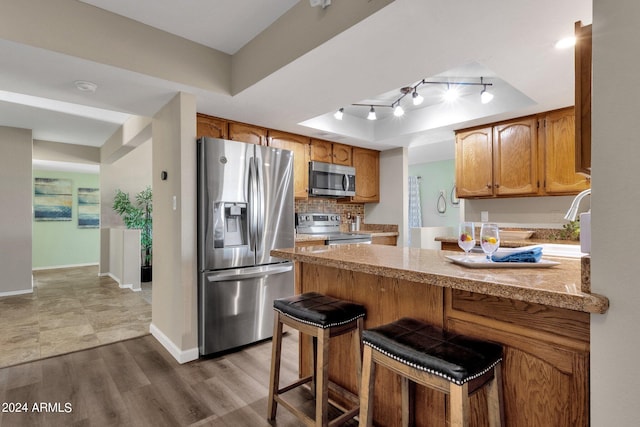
x,y
230,225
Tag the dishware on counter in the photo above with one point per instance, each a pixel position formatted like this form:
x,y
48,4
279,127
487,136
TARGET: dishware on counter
x,y
489,239
466,236
481,262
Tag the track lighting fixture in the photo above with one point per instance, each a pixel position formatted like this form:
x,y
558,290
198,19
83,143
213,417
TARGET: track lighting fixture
x,y
372,114
451,94
398,111
417,98
485,96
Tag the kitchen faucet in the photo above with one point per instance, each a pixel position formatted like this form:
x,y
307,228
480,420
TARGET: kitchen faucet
x,y
573,209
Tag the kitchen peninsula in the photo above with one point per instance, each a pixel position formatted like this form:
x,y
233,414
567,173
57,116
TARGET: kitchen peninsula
x,y
539,315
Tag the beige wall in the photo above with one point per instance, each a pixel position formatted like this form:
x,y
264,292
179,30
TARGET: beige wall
x,y
61,152
615,344
15,210
539,211
297,32
174,318
108,38
393,208
131,174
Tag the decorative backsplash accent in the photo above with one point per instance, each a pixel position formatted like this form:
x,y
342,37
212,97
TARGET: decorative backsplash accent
x,y
347,211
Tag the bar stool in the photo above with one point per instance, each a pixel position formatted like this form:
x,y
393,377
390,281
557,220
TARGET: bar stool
x,y
321,317
427,355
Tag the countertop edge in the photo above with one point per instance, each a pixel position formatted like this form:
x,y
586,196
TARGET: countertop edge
x,y
584,302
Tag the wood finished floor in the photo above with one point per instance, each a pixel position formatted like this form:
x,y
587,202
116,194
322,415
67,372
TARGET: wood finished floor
x,y
70,309
134,382
137,383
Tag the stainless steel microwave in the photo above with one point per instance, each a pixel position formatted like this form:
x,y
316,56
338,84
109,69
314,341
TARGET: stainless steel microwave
x,y
329,180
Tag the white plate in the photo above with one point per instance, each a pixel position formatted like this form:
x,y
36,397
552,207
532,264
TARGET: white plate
x,y
481,262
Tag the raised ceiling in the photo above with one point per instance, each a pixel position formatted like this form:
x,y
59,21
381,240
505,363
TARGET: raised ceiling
x,y
404,42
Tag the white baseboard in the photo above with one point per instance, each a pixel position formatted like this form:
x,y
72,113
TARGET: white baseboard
x,y
57,267
11,293
122,285
182,356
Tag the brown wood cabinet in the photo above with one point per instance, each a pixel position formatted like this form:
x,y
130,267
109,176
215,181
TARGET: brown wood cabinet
x,y
546,357
501,160
300,146
212,127
384,240
529,156
583,74
330,152
367,164
515,157
545,367
474,163
557,131
247,133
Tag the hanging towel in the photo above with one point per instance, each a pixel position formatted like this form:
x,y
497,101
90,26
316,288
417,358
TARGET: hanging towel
x,y
528,255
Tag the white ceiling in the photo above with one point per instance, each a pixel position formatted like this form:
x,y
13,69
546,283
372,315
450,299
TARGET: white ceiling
x,y
509,43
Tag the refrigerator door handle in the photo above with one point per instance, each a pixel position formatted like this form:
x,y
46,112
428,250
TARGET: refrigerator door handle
x,y
249,273
260,208
253,209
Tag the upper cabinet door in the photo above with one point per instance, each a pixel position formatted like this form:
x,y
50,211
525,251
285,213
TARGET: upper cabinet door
x,y
583,61
300,146
321,151
330,152
247,133
367,164
342,154
474,163
515,157
560,175
211,127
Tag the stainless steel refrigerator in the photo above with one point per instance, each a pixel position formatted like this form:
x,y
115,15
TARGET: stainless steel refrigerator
x,y
245,209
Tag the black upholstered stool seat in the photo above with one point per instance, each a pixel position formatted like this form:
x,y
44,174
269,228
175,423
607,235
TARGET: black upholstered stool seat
x,y
422,346
425,354
317,317
319,310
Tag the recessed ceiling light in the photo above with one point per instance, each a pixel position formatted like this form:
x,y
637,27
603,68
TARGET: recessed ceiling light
x,y
566,43
85,86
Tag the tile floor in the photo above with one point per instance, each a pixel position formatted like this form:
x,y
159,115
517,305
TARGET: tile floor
x,y
70,309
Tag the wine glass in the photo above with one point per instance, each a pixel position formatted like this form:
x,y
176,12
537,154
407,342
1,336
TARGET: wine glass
x,y
489,239
466,237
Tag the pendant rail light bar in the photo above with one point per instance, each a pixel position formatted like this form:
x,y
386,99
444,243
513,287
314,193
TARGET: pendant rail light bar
x,y
417,99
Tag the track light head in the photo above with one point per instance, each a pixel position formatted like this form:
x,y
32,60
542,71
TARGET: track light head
x,y
417,98
485,97
338,114
398,111
372,114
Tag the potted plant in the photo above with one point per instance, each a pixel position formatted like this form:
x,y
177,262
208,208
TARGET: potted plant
x,y
138,215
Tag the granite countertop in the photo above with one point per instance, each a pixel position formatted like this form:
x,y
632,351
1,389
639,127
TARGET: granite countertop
x,y
512,243
301,237
558,286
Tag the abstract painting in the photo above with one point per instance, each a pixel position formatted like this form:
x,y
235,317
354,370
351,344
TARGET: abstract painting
x,y
88,208
52,199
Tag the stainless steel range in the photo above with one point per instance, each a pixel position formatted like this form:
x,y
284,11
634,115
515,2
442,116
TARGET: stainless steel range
x,y
328,224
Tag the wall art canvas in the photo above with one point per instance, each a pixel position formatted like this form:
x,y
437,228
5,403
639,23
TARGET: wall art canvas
x,y
88,208
52,199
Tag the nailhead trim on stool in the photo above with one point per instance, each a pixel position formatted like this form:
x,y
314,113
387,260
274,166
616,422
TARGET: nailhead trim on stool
x,y
321,317
455,358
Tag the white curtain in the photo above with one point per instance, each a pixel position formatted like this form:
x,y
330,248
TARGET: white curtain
x,y
415,210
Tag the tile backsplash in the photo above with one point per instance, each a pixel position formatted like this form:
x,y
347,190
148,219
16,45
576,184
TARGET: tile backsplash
x,y
347,211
